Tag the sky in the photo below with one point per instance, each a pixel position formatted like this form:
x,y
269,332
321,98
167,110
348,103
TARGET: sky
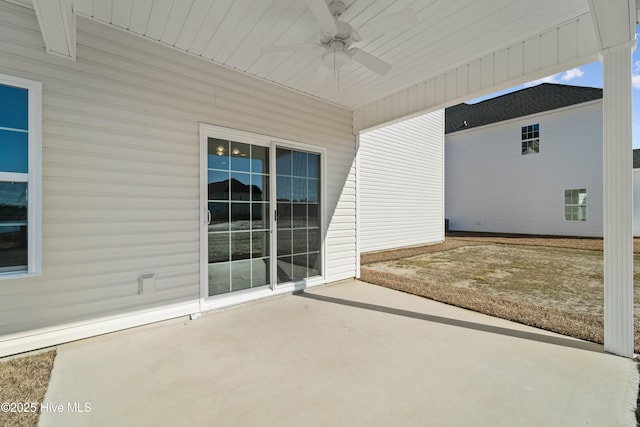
x,y
588,75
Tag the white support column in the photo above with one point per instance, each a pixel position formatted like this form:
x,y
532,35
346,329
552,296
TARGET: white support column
x,y
618,201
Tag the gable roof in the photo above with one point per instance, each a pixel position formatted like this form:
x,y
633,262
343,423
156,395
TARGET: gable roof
x,y
535,99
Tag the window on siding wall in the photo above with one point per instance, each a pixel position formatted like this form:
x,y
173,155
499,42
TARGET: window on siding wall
x,y
575,205
531,139
20,154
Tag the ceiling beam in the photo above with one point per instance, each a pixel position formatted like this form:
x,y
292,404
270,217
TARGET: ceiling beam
x,y
552,51
57,22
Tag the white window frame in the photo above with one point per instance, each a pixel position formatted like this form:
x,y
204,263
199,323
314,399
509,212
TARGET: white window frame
x,y
531,140
565,205
33,177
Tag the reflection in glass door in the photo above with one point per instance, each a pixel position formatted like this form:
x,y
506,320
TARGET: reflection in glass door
x,y
298,215
238,226
241,235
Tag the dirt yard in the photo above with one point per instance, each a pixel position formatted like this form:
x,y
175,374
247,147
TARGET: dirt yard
x,y
551,283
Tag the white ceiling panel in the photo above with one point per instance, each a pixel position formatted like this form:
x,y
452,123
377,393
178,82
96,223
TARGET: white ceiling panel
x,y
449,34
121,13
140,11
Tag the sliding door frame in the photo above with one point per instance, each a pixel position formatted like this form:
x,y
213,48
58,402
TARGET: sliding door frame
x,y
207,131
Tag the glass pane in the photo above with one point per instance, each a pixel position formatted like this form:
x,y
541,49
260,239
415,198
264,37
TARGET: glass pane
x,y
299,218
219,216
313,191
299,164
284,242
218,247
259,216
14,151
300,241
314,264
284,269
13,202
313,215
240,157
259,159
314,240
283,161
259,244
218,154
582,197
240,275
240,186
299,189
283,188
16,114
219,278
567,197
582,213
284,215
567,213
240,246
238,172
13,247
536,146
294,238
299,267
259,188
240,216
574,197
314,166
218,185
260,272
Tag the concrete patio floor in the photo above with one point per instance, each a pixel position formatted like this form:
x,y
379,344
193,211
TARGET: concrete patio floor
x,y
346,354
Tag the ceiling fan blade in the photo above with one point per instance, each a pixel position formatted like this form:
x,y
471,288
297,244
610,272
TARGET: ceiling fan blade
x,y
406,18
321,11
289,47
376,65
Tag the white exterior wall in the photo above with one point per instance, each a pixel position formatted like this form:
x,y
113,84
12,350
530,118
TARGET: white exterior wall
x,y
490,186
401,182
121,174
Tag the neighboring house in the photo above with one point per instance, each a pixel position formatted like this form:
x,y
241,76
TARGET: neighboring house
x,y
526,162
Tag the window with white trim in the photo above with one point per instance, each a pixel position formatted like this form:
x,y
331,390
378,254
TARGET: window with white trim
x,y
531,139
575,204
20,176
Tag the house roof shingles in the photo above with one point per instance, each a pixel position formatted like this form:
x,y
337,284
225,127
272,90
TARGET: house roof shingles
x,y
532,100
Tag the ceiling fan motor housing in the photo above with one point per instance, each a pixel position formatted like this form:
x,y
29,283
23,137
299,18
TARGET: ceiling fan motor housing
x,y
344,34
336,56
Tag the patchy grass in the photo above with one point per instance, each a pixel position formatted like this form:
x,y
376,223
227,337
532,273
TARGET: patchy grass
x,y
24,380
554,288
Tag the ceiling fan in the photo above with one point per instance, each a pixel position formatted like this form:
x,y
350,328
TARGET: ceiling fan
x,y
336,36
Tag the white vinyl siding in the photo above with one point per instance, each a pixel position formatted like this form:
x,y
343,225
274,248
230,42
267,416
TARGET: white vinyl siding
x,y
401,182
490,186
121,168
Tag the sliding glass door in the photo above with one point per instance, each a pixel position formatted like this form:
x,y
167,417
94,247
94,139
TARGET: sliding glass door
x,y
298,214
245,226
238,216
